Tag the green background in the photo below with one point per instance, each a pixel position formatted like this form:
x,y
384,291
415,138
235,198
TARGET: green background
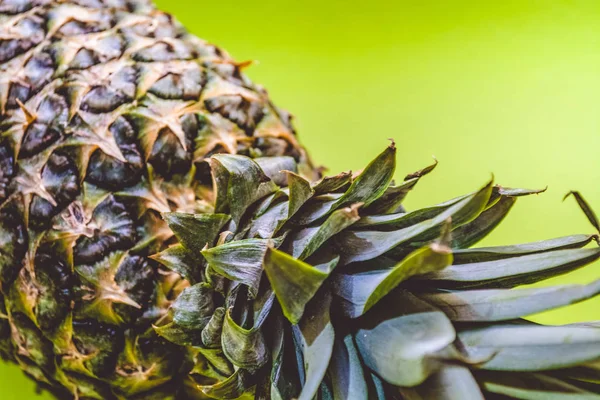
x,y
509,87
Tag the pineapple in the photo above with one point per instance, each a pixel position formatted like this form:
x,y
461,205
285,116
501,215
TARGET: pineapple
x,y
163,235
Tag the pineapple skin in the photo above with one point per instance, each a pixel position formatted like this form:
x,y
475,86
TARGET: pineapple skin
x,y
108,110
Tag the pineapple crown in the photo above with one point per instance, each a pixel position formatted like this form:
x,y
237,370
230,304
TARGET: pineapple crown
x,y
331,288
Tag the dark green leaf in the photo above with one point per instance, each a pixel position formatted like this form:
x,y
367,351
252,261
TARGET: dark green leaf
x,y
293,281
587,210
331,184
401,220
240,182
346,372
362,290
514,271
284,377
532,386
373,181
309,240
401,339
276,167
314,335
179,259
268,224
247,347
300,192
233,387
471,233
211,334
502,304
190,313
239,260
393,197
366,245
465,256
195,231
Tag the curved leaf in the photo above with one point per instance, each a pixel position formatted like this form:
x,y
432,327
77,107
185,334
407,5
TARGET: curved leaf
x,y
402,347
532,347
510,272
366,245
240,260
314,335
362,290
346,373
195,231
293,281
502,304
451,382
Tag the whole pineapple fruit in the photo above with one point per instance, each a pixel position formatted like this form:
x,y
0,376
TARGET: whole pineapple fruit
x,y
162,237
108,110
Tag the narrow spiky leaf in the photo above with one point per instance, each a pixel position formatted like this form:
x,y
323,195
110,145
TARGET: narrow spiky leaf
x,y
509,272
360,291
366,245
532,347
373,181
479,254
501,304
308,240
314,336
346,371
586,208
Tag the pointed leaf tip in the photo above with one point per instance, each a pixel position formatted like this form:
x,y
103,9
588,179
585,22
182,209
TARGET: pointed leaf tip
x,y
586,208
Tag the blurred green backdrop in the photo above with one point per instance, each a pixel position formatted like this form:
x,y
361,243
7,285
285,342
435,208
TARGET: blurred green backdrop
x,y
510,87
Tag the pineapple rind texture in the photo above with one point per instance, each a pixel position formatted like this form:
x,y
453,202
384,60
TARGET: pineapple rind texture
x,y
108,111
163,235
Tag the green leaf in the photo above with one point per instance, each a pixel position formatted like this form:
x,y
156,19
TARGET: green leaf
x,y
393,197
309,240
195,231
190,313
239,261
293,281
532,347
373,181
502,304
533,386
240,182
247,348
268,224
285,377
300,192
181,260
211,333
315,209
401,339
587,210
346,372
451,382
509,272
471,233
332,184
399,220
276,167
360,291
464,256
232,388
314,335
366,245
